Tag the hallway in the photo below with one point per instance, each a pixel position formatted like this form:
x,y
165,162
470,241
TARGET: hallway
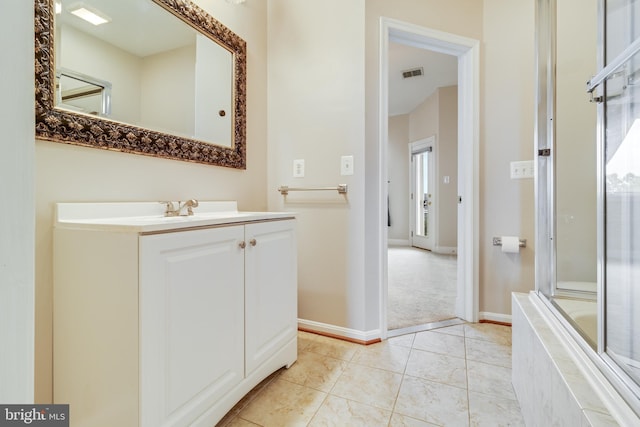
x,y
422,287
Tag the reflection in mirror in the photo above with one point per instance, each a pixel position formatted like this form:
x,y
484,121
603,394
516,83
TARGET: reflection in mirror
x,y
158,66
85,94
177,79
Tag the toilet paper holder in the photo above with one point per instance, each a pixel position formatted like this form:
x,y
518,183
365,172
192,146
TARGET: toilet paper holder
x,y
497,241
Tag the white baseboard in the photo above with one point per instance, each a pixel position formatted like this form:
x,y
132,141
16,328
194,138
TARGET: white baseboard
x,y
339,331
445,250
448,250
397,242
495,317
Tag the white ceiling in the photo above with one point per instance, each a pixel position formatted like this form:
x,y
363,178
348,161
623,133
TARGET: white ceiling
x,y
406,94
139,27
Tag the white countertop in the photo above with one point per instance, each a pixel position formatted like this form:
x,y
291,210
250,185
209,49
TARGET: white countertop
x,y
148,217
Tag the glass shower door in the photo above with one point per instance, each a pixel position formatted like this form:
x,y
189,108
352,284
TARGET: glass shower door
x,y
570,168
622,219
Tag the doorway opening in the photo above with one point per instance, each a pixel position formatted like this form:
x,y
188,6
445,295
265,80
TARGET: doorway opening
x,y
465,214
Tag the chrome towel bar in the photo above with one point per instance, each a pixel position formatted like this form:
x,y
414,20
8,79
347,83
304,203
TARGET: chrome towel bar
x,y
341,189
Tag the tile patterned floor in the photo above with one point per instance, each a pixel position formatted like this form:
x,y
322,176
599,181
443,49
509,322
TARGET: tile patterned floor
x,y
421,287
454,376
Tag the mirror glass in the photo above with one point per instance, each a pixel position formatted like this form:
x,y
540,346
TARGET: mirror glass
x,y
82,93
164,75
154,77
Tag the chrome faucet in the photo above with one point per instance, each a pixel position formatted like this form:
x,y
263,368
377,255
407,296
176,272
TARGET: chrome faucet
x,y
172,210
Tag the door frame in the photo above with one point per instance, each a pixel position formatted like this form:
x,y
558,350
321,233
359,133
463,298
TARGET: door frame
x,y
415,148
467,51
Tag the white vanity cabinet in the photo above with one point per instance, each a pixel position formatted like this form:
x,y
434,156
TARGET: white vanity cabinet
x,y
191,322
171,327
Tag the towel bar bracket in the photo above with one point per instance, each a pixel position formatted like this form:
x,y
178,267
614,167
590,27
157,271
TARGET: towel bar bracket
x,y
341,189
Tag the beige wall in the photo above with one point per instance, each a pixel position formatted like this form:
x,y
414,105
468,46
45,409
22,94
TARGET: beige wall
x,y
424,120
399,176
506,134
167,91
438,116
448,167
316,113
66,173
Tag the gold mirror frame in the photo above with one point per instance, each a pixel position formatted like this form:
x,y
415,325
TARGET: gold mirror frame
x,y
58,125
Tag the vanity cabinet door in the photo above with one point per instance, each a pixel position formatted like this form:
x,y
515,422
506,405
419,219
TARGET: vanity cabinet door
x,y
191,322
270,289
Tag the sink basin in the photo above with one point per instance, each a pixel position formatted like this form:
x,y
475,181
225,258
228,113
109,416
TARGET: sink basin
x,y
197,216
149,216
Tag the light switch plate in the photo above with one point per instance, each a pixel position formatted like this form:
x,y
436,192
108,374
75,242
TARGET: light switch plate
x,y
298,168
346,165
522,169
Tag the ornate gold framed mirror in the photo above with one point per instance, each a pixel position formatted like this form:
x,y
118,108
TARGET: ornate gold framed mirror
x,y
155,77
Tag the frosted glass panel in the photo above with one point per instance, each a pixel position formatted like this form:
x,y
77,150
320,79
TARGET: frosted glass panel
x,y
622,201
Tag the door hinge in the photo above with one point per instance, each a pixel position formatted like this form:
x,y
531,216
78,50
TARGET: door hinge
x,y
544,152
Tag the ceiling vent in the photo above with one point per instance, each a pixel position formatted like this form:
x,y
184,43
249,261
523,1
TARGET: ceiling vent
x,y
414,72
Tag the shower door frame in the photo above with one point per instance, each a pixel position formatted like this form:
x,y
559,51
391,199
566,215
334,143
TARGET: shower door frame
x,y
544,190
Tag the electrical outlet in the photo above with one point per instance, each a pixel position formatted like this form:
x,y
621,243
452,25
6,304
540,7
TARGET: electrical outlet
x,y
521,170
346,165
298,168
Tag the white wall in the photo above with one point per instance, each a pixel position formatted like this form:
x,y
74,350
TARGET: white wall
x,y
17,290
71,173
316,113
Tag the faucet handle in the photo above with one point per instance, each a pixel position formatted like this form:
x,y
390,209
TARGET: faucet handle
x,y
170,209
190,204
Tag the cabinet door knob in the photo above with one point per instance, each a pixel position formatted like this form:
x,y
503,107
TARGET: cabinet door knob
x,y
242,244
252,242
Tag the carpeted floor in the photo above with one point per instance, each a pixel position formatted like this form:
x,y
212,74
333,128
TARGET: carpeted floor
x,y
422,287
